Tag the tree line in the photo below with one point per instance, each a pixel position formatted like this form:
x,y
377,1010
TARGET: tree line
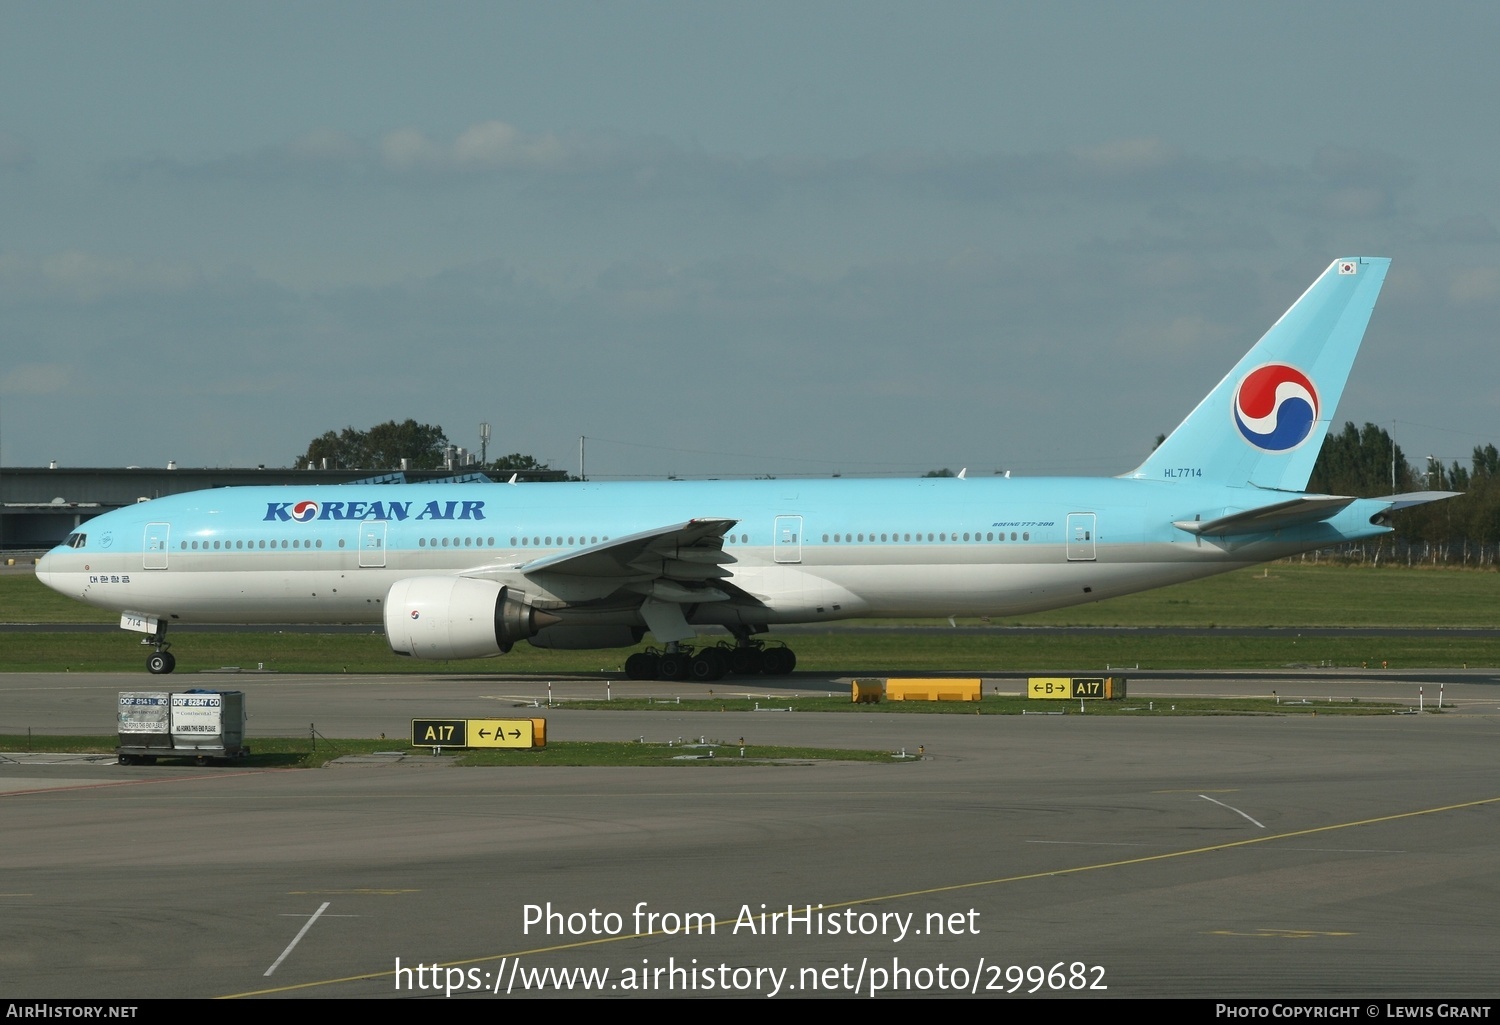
x,y
423,447
1366,463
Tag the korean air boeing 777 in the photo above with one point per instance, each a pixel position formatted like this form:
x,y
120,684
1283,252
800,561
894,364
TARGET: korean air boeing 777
x,y
464,570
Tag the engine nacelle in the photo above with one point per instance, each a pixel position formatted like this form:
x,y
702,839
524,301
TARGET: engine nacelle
x,y
458,617
588,635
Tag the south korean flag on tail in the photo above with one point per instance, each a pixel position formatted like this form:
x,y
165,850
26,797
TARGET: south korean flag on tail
x,y
1347,267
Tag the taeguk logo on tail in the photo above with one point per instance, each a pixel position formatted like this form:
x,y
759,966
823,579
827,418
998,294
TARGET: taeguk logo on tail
x,y
1275,407
304,511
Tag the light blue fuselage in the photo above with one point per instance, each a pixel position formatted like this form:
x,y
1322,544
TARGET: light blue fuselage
x,y
804,549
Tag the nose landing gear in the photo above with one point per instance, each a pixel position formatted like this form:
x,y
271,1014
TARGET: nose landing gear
x,y
160,661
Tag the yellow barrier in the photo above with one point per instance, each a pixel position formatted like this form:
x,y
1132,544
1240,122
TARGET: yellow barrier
x,y
933,690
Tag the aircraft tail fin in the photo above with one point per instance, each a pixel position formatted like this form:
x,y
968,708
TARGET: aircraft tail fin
x,y
1264,423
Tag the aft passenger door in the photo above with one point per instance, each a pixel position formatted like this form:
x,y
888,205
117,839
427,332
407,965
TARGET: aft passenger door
x,y
1081,529
786,539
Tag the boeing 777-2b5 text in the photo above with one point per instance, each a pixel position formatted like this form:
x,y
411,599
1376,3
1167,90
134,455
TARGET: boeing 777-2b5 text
x,y
467,569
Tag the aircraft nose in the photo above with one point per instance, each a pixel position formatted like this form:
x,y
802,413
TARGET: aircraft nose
x,y
44,570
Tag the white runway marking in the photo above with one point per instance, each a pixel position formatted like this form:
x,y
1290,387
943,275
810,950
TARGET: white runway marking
x,y
1232,808
298,938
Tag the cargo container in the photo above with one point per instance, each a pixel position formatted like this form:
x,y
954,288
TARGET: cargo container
x,y
203,725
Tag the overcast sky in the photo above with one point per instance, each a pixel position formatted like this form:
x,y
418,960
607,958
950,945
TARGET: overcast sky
x,y
729,238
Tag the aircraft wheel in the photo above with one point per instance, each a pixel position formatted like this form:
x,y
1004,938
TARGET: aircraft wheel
x,y
778,661
160,663
127,759
721,662
672,666
641,666
745,661
708,665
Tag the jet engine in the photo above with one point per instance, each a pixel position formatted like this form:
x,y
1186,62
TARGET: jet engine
x,y
458,617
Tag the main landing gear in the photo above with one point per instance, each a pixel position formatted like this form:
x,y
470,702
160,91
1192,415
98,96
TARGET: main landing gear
x,y
160,661
680,662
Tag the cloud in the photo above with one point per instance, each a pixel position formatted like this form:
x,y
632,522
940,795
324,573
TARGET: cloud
x,y
409,150
13,155
1340,184
88,277
36,379
496,145
1471,228
1128,156
1475,285
324,145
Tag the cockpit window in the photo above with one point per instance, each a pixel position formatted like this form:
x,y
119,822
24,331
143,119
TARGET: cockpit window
x,y
76,540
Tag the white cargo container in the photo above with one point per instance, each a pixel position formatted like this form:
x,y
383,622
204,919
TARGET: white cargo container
x,y
197,724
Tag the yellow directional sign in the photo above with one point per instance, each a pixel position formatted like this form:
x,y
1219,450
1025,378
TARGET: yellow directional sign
x,y
501,733
1049,687
513,733
1106,687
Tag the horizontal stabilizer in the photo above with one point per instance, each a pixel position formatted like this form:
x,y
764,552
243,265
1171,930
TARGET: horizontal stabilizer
x,y
1294,513
1415,498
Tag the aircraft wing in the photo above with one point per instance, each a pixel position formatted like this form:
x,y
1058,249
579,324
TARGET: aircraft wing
x,y
673,563
1296,512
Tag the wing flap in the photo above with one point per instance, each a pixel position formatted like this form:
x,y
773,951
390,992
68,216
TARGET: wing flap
x,y
644,554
